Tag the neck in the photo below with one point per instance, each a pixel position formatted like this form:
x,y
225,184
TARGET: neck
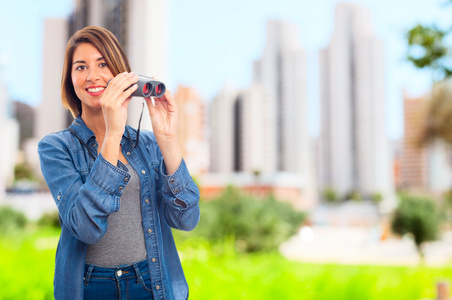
x,y
94,121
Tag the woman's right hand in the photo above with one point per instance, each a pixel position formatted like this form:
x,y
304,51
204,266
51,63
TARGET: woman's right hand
x,y
115,102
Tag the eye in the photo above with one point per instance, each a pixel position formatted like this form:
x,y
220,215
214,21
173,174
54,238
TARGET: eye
x,y
103,65
80,68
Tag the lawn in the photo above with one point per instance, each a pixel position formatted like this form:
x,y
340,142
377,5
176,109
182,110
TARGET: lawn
x,y
27,262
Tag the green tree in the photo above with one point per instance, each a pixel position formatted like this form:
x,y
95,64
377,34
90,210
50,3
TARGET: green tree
x,y
418,217
427,49
251,224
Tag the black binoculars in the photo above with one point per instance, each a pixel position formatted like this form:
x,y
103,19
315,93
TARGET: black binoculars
x,y
148,87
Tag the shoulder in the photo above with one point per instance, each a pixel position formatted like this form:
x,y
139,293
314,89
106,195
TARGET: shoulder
x,y
61,138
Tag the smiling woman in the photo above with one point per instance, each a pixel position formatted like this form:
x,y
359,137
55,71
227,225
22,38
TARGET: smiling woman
x,y
117,196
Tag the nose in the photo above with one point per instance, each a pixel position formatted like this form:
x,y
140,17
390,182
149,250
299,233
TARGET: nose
x,y
93,75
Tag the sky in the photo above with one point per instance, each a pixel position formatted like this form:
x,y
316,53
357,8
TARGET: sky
x,y
214,43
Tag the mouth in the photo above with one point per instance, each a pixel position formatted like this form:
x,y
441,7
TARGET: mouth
x,y
95,91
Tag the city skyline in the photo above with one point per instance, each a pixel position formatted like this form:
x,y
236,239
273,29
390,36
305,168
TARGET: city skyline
x,y
195,48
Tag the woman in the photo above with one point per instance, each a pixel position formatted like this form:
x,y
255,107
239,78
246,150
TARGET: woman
x,y
118,191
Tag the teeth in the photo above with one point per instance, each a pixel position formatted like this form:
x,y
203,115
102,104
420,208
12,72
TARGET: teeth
x,y
95,90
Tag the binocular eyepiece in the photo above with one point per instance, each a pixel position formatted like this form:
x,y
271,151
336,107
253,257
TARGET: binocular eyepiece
x,y
148,87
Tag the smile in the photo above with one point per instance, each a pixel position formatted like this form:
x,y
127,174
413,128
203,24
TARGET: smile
x,y
95,90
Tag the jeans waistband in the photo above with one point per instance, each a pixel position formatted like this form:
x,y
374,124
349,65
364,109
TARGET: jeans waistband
x,y
118,272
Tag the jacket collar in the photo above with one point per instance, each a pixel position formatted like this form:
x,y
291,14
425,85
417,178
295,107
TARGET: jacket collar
x,y
85,134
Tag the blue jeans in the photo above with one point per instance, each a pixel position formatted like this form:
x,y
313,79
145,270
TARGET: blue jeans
x,y
121,283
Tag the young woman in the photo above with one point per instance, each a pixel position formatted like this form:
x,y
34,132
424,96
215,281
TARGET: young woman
x,y
119,191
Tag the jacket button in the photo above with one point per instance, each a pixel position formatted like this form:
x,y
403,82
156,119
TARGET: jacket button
x,y
158,287
128,153
143,172
147,201
149,230
120,188
176,191
126,179
172,180
153,259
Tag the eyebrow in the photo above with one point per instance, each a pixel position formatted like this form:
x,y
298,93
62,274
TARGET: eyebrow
x,y
84,62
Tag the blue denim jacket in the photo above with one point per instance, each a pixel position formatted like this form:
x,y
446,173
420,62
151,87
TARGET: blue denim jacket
x,y
87,191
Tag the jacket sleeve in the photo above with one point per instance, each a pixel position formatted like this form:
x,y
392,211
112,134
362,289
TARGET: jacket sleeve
x,y
83,205
180,198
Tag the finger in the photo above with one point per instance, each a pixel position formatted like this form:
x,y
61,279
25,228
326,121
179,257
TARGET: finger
x,y
129,91
122,86
123,81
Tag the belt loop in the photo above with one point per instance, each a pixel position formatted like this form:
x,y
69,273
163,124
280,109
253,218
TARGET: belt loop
x,y
137,272
88,274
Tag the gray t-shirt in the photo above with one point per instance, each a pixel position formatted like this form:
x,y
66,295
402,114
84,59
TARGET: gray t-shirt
x,y
123,243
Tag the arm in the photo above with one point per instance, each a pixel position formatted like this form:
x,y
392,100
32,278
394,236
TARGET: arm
x,y
83,203
180,198
180,193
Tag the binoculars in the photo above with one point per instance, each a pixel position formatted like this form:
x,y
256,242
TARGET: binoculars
x,y
148,87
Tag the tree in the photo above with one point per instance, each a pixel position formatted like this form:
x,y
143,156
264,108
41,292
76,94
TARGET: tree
x,y
418,217
437,120
427,50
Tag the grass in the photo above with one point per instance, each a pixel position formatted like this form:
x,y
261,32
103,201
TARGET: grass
x,y
27,262
271,276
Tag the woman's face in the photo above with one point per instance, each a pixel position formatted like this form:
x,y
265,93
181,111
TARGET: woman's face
x,y
90,75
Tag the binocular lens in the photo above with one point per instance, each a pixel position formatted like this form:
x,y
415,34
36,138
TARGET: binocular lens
x,y
158,90
147,89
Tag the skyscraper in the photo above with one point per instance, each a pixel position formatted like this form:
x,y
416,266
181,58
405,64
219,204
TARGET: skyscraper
x,y
9,131
192,129
282,73
414,158
259,136
51,115
422,167
265,125
221,113
354,146
253,148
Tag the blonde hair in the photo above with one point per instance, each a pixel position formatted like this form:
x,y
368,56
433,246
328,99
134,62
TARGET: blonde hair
x,y
108,46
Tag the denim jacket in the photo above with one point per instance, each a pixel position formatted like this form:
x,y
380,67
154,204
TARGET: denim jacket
x,y
87,191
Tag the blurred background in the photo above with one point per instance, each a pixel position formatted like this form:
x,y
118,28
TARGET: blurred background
x,y
319,133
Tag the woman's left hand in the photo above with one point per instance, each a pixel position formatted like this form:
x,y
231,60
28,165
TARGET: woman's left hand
x,y
163,116
164,124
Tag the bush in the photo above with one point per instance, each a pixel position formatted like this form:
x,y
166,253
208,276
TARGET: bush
x,y
419,217
50,219
252,224
330,195
24,171
11,220
353,195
